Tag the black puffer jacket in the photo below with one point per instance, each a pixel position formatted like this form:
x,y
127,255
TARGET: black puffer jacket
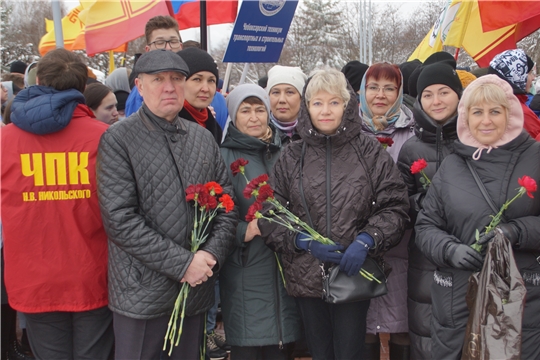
x,y
433,143
452,211
351,185
144,166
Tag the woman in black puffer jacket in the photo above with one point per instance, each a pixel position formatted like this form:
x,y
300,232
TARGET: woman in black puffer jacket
x,y
435,132
348,187
493,143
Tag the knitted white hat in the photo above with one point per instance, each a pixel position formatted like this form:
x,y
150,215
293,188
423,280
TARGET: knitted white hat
x,y
286,75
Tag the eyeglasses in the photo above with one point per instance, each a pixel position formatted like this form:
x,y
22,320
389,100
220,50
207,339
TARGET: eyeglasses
x,y
387,90
162,44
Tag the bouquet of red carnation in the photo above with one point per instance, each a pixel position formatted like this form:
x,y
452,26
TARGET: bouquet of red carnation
x,y
207,200
418,167
527,186
386,142
263,192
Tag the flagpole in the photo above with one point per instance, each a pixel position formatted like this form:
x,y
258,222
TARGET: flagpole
x,y
204,40
57,18
370,35
227,78
244,74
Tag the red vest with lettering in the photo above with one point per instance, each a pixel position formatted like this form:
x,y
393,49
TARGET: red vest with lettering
x,y
55,247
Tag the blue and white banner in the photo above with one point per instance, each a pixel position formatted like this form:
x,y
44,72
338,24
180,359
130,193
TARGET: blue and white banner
x,y
260,31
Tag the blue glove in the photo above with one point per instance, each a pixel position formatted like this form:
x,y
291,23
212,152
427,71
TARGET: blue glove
x,y
325,253
356,254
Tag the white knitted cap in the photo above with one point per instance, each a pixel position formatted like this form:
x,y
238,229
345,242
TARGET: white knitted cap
x,y
286,75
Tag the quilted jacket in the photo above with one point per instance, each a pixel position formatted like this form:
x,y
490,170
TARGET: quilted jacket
x,y
145,164
351,185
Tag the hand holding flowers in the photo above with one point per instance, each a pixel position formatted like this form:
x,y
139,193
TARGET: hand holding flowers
x,y
207,199
262,192
527,186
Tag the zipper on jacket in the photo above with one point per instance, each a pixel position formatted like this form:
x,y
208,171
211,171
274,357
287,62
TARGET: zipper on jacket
x,y
265,157
268,153
328,187
439,141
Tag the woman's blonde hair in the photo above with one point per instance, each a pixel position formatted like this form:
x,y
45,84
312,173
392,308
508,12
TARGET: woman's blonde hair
x,y
486,93
330,80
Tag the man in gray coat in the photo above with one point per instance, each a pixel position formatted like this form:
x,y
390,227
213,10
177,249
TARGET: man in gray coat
x,y
145,164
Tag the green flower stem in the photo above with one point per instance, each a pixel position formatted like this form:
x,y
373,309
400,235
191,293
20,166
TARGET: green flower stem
x,y
369,276
245,177
428,182
202,237
201,223
279,222
181,327
495,220
314,235
280,269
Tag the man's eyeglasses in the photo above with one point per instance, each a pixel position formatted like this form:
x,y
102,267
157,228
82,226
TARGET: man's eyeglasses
x,y
162,44
387,90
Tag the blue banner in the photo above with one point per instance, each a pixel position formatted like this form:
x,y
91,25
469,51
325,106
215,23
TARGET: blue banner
x,y
260,31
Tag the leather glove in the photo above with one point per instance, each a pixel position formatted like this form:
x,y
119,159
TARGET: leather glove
x,y
356,254
463,257
510,231
416,201
325,253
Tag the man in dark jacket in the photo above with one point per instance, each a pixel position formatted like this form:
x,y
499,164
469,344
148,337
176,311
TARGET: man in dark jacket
x,y
146,162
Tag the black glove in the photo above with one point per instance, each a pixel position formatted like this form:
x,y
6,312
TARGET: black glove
x,y
416,201
510,231
463,257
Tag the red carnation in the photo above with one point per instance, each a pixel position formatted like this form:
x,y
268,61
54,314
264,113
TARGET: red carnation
x,y
418,166
207,201
265,192
193,191
260,180
529,184
248,190
213,188
253,210
238,166
226,202
254,185
385,141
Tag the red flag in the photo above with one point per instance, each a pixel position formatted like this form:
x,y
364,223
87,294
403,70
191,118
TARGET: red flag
x,y
521,30
499,14
110,24
217,12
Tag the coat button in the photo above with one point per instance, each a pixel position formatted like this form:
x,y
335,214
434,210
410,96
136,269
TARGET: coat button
x,y
174,139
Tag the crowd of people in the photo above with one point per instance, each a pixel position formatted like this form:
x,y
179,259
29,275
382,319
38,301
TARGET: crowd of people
x,y
97,229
